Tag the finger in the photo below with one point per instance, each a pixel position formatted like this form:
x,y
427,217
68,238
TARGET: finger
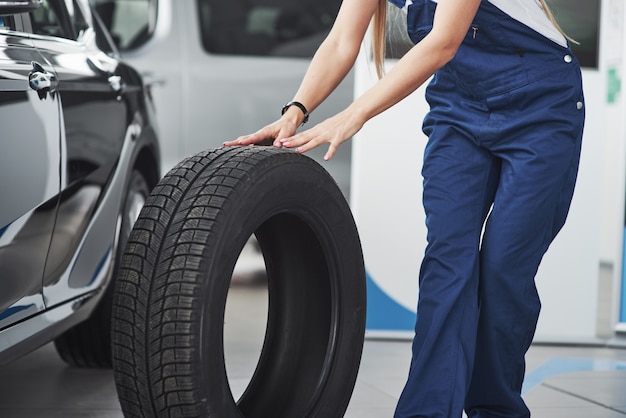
x,y
283,136
231,143
239,141
248,139
309,145
296,140
332,148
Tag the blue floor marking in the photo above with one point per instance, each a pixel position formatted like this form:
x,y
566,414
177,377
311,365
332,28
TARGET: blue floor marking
x,y
559,366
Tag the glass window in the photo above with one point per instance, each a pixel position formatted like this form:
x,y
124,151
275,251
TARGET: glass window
x,y
60,18
398,41
292,28
77,19
131,23
7,23
48,20
578,18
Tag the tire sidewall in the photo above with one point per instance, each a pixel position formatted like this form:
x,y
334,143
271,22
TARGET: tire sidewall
x,y
297,185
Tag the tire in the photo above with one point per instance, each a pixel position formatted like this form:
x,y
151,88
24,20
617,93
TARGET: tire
x,y
88,344
168,313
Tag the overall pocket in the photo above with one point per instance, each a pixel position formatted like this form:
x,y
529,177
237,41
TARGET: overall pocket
x,y
420,16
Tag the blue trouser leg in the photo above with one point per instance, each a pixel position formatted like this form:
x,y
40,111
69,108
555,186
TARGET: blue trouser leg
x,y
459,182
539,168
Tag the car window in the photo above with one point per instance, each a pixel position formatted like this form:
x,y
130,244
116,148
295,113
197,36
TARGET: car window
x,y
265,27
60,18
131,23
49,19
78,20
7,23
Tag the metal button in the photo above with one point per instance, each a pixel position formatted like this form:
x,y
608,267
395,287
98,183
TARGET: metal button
x,y
579,105
567,58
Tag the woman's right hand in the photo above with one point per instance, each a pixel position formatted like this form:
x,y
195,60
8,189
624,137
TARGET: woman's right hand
x,y
271,134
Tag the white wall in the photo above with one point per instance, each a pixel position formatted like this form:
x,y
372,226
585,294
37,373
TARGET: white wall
x,y
614,162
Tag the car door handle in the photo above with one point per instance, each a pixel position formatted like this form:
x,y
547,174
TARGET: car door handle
x,y
41,80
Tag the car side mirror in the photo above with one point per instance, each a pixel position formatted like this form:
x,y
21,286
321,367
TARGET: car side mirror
x,y
13,7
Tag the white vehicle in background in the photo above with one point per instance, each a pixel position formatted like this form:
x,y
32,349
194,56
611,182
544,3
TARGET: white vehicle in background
x,y
218,69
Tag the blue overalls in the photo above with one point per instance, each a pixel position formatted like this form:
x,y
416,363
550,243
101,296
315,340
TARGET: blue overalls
x,y
504,138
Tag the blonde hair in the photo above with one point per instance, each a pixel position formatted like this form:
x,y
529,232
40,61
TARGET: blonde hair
x,y
379,34
379,21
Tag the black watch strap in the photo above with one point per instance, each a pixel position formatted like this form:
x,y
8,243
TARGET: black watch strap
x,y
300,106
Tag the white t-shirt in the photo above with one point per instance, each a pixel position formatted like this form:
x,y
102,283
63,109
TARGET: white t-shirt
x,y
530,13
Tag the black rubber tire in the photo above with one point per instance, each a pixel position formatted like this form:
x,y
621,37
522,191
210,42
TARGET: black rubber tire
x,y
168,313
88,344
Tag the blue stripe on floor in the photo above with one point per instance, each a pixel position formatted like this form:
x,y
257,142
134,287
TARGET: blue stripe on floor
x,y
559,366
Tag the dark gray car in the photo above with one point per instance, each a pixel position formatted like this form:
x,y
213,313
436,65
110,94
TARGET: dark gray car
x,y
79,156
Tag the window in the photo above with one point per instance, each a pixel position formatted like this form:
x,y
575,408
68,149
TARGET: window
x,y
48,20
7,23
398,42
77,19
60,18
292,28
131,23
580,19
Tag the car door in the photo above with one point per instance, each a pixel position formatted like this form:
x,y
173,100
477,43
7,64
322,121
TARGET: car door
x,y
29,171
94,128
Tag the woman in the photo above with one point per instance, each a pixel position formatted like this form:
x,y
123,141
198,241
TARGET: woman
x,y
504,136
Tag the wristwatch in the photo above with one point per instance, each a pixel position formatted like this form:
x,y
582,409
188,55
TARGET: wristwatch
x,y
300,106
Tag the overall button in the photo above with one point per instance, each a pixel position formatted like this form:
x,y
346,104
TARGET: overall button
x,y
567,58
579,105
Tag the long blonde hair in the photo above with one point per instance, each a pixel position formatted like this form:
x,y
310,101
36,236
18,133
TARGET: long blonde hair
x,y
379,21
379,34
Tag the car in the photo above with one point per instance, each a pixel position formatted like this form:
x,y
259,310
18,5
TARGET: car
x,y
80,154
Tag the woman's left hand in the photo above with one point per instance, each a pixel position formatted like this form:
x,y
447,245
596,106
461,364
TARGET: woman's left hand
x,y
334,131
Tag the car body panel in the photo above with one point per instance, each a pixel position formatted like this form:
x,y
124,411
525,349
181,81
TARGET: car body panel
x,y
68,151
93,139
30,179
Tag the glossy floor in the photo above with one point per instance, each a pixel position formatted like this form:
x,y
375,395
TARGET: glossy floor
x,y
561,382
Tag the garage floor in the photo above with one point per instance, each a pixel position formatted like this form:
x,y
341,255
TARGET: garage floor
x,y
561,382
